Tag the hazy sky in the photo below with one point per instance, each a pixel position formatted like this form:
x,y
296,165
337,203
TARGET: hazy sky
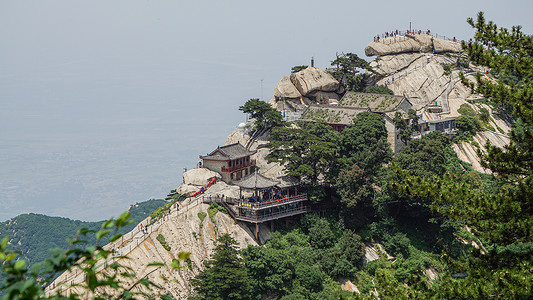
x,y
103,103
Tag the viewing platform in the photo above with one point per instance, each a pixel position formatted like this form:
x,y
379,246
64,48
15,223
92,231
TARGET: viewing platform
x,y
264,199
271,210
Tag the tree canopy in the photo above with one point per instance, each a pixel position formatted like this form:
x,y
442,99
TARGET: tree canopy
x,y
347,72
225,276
264,115
308,150
365,143
504,217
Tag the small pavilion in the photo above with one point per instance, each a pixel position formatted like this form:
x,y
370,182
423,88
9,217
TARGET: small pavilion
x,y
265,199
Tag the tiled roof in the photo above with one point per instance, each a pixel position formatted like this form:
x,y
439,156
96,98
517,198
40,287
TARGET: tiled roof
x,y
256,181
332,114
375,102
288,181
229,152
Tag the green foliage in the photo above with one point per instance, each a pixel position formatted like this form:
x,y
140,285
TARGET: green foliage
x,y
225,276
114,280
212,211
466,110
347,72
470,122
350,248
219,208
379,89
310,277
264,115
354,187
34,235
163,242
320,235
161,211
307,150
365,143
468,126
484,114
404,131
397,244
426,156
298,68
302,262
201,216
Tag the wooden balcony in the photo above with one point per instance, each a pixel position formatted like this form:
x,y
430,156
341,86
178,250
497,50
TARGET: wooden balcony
x,y
238,167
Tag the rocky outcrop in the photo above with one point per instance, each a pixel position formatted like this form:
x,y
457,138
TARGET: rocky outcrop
x,y
187,190
286,89
314,79
426,79
468,151
183,231
325,97
378,48
199,176
442,46
410,44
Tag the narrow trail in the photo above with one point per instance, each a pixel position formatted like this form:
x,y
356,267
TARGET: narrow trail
x,y
123,246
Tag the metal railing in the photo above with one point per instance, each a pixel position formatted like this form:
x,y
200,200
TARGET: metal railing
x,y
273,203
399,36
274,215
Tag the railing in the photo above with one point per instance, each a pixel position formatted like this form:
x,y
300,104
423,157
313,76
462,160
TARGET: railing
x,y
274,216
273,203
398,36
238,167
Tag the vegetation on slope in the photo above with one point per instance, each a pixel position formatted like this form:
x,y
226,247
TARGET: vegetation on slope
x,y
33,235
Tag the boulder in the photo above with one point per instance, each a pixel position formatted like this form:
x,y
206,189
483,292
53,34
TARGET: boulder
x,y
378,48
273,102
187,190
286,89
314,79
425,41
325,97
414,43
199,176
442,46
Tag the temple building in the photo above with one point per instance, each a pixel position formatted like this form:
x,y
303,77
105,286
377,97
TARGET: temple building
x,y
264,199
341,114
232,162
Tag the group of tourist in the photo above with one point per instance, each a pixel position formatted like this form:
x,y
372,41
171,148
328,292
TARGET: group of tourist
x,y
396,32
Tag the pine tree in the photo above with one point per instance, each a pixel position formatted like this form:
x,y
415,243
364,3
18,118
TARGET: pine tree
x,y
503,219
225,276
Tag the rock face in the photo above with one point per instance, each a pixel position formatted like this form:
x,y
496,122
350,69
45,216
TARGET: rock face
x,y
286,89
430,79
314,79
325,97
199,176
182,231
378,48
411,43
186,189
468,152
421,78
